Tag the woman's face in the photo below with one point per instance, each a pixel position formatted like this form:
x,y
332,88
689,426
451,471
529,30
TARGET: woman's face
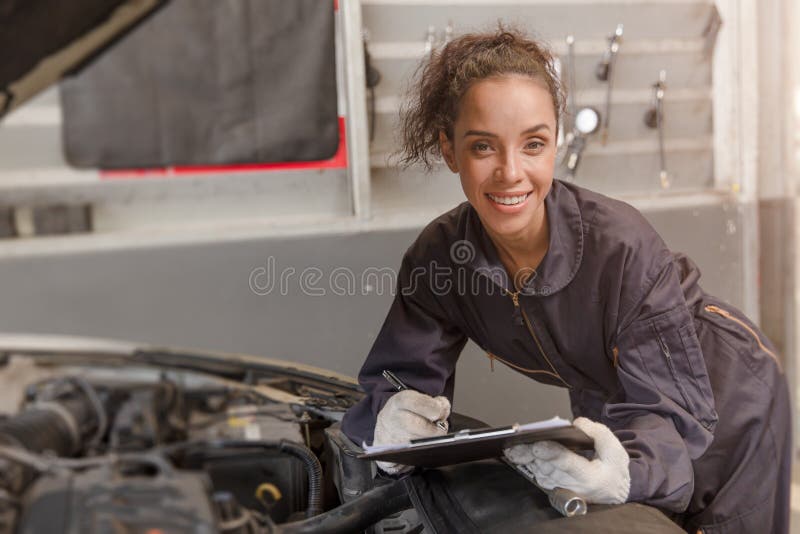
x,y
504,149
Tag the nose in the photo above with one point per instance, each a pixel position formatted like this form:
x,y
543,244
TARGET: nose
x,y
509,168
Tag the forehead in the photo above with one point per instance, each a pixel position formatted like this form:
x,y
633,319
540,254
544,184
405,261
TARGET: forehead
x,y
506,100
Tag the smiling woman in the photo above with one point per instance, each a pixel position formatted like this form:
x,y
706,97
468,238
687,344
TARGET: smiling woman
x,y
503,147
489,105
684,397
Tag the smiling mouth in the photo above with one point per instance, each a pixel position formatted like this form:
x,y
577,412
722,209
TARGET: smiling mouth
x,y
508,200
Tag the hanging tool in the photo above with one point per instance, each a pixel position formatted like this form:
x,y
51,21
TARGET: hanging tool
x,y
373,78
654,118
605,73
587,121
569,126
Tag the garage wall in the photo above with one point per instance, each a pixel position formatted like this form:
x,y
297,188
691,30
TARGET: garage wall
x,y
201,296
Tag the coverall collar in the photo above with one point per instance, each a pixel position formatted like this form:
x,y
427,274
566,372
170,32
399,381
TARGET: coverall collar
x,y
564,253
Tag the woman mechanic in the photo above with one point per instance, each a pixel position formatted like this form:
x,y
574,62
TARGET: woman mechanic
x,y
684,397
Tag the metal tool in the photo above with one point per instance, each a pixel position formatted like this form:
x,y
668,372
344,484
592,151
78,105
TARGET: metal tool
x,y
400,386
587,121
654,118
570,72
304,420
373,78
567,502
605,73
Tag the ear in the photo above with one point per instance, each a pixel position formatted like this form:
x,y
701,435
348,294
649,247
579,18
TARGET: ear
x,y
446,147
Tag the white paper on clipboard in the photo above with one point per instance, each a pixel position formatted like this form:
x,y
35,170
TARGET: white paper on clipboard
x,y
466,435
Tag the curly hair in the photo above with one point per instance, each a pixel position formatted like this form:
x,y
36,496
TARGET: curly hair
x,y
439,84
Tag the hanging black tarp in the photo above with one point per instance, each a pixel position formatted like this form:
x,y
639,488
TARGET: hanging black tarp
x,y
208,82
43,39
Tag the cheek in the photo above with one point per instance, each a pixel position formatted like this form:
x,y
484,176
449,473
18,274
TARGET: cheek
x,y
473,175
477,169
543,166
469,185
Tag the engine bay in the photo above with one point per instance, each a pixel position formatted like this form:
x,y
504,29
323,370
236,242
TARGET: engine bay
x,y
97,446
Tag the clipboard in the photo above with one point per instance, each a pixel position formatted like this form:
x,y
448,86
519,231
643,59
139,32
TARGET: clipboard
x,y
477,444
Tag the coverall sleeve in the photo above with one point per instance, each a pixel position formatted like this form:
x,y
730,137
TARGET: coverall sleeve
x,y
664,414
417,342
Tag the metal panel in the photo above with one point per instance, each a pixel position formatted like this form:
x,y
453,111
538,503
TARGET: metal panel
x,y
551,19
350,41
29,146
658,35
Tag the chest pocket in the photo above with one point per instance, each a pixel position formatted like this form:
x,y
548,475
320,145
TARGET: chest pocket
x,y
664,351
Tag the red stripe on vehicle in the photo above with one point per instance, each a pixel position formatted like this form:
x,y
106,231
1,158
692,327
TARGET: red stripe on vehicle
x,y
338,161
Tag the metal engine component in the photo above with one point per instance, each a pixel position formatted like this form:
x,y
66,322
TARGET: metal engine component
x,y
241,472
149,417
48,426
61,424
248,422
132,495
162,442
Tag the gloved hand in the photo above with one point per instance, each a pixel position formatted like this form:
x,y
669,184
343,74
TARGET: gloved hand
x,y
409,415
604,480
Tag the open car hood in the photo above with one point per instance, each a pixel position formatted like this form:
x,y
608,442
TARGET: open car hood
x,y
75,349
47,39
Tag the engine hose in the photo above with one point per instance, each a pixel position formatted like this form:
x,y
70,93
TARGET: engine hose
x,y
301,452
314,470
55,426
355,515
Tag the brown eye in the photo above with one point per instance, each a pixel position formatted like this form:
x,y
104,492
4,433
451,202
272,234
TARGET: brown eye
x,y
480,147
534,145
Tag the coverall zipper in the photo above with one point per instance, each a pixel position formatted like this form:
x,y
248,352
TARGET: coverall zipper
x,y
519,310
725,313
492,357
671,365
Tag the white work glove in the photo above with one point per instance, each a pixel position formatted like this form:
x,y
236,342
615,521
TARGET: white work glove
x,y
409,415
603,480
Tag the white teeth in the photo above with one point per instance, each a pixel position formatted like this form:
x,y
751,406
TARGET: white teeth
x,y
508,201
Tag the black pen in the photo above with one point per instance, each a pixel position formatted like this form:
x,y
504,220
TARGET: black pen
x,y
400,386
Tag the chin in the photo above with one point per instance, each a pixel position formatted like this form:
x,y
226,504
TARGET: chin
x,y
508,226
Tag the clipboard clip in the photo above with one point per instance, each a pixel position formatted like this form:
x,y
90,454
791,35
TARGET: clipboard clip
x,y
467,434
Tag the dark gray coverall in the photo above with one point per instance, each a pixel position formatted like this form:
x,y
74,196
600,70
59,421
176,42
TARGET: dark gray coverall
x,y
692,389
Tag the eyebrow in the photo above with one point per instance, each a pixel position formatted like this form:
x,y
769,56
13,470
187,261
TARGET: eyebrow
x,y
532,129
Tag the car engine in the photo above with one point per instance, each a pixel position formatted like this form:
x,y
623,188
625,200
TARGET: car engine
x,y
98,446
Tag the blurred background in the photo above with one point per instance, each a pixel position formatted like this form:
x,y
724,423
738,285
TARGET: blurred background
x,y
217,174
